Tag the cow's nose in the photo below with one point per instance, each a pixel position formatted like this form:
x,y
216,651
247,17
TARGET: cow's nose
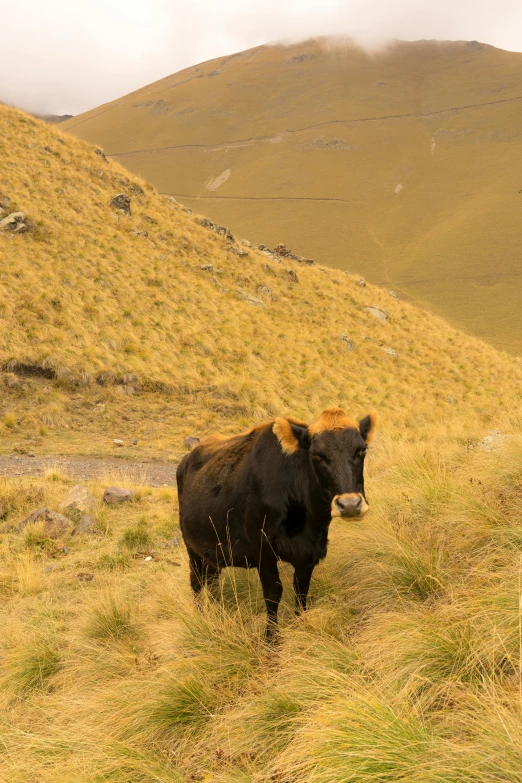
x,y
349,505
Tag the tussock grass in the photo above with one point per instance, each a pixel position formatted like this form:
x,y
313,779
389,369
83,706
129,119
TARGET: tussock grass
x,y
406,668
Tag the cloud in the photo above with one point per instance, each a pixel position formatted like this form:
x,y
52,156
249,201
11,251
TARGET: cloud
x,y
60,57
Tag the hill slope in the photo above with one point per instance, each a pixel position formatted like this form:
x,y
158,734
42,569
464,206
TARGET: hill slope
x,y
401,165
407,667
153,326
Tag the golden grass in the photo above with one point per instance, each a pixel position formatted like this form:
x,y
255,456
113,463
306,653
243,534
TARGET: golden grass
x,y
310,167
406,668
142,344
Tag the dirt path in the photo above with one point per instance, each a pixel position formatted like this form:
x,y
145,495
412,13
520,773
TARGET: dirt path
x,y
152,473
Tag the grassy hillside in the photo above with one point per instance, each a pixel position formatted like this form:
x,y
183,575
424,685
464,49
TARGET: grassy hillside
x,y
115,326
407,667
400,165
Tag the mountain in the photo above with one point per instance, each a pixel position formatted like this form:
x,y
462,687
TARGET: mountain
x,y
153,325
401,165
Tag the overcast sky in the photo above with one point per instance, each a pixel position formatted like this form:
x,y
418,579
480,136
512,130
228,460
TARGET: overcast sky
x,y
67,56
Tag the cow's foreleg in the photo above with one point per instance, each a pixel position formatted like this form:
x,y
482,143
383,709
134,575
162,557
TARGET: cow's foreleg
x,y
272,591
302,577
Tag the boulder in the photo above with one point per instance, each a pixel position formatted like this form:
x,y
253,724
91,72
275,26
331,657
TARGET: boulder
x,y
77,503
206,267
121,202
55,525
87,523
394,294
390,351
113,495
282,250
12,221
246,243
118,442
254,300
361,282
382,315
292,276
190,442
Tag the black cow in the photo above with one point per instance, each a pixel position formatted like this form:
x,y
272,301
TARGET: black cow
x,y
269,494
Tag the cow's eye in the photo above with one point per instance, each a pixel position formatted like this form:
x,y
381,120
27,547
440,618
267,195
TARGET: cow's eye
x,y
360,453
320,457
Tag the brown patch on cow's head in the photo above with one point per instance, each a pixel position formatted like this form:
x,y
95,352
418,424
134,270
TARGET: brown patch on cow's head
x,y
289,432
332,419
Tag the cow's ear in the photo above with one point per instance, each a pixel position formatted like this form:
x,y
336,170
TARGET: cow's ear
x,y
291,436
367,426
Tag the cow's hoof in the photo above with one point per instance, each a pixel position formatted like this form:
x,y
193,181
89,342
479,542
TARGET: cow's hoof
x,y
271,634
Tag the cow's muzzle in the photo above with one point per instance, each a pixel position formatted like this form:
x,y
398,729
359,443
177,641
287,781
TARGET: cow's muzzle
x,y
351,504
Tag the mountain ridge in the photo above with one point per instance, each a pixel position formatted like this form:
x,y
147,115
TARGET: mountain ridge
x,y
422,186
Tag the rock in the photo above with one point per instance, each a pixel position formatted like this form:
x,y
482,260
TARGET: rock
x,y
118,442
148,218
190,442
237,250
77,503
101,153
254,300
394,294
265,291
494,439
140,233
5,202
12,221
49,568
83,576
55,525
113,495
206,267
121,202
87,523
382,315
360,282
282,250
349,344
390,351
292,276
246,243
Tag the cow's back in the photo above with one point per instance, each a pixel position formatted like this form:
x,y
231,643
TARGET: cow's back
x,y
215,482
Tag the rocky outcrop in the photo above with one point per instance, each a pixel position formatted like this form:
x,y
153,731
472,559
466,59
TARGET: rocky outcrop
x,y
77,503
16,223
122,203
55,525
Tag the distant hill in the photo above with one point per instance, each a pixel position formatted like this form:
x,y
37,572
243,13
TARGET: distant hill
x,y
152,326
401,165
55,119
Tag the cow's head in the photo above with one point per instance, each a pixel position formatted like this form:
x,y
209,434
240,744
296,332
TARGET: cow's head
x,y
336,445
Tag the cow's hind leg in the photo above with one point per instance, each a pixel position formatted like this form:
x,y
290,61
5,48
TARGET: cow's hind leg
x,y
201,572
272,590
302,577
